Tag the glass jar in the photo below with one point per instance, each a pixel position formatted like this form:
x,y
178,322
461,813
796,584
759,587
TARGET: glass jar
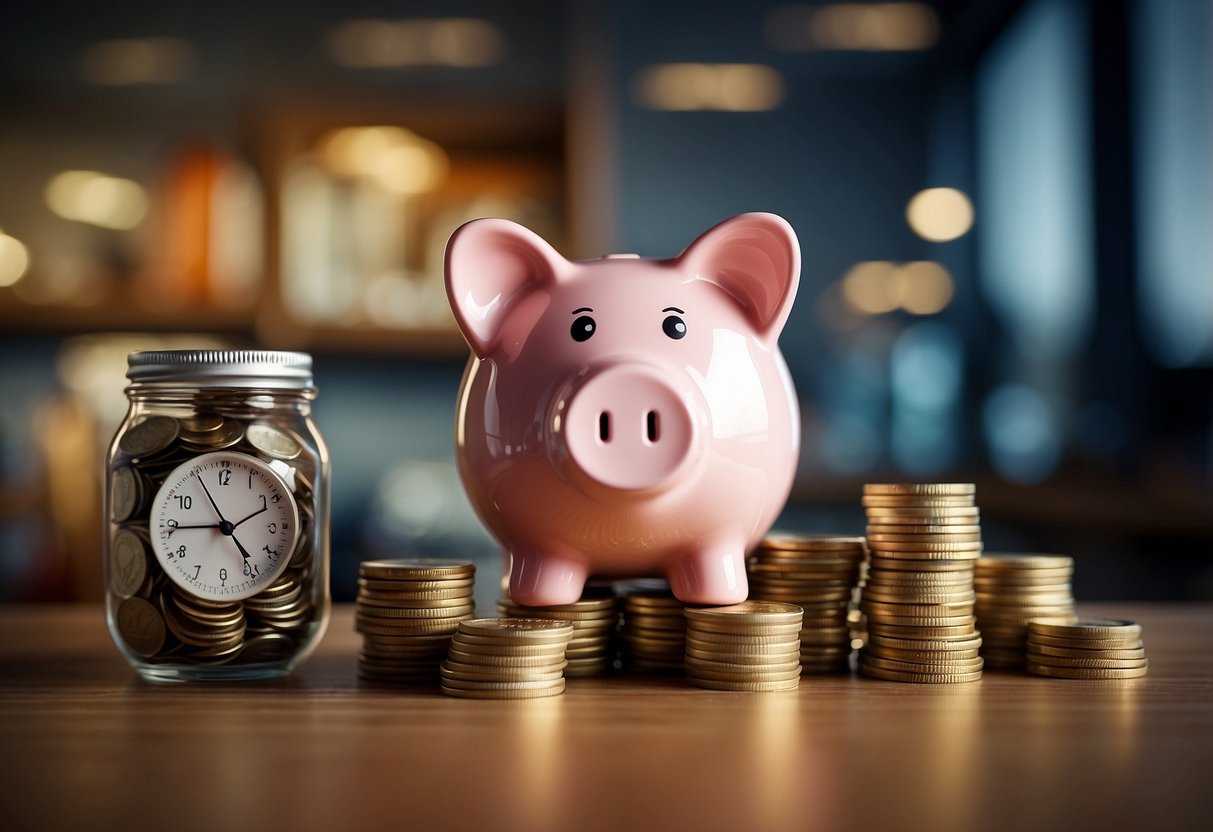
x,y
217,507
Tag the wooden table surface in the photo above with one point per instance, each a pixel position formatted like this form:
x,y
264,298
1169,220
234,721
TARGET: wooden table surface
x,y
84,744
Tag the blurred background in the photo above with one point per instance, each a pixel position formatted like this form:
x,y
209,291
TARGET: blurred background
x,y
1005,209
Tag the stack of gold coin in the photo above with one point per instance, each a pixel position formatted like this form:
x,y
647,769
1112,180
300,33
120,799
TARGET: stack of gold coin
x,y
818,574
653,632
507,658
1086,649
595,617
918,597
753,646
407,611
211,630
1013,590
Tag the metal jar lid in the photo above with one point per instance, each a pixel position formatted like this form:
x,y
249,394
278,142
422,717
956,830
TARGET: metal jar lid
x,y
271,369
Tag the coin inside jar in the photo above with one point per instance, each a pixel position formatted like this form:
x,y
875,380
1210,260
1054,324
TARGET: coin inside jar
x,y
128,566
272,442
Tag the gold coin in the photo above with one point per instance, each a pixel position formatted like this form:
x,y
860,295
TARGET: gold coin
x,y
379,614
380,598
961,632
141,626
407,626
918,678
932,582
920,656
472,657
948,614
652,598
128,563
507,647
272,441
588,618
728,637
724,663
1086,672
750,687
1020,582
1017,562
934,645
508,693
785,540
699,675
416,569
414,586
923,514
1115,643
923,489
743,656
1059,661
923,533
751,630
888,501
476,684
414,641
946,663
458,672
578,610
525,629
1087,628
932,523
963,544
1043,650
921,566
748,612
371,603
149,436
919,597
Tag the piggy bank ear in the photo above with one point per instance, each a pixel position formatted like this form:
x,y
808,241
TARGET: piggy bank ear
x,y
755,258
491,265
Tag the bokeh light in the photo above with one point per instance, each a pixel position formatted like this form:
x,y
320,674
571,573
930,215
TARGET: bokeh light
x,y
92,197
453,42
854,27
940,214
723,87
396,159
14,260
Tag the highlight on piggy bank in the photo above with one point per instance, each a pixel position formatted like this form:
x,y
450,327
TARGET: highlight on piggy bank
x,y
626,416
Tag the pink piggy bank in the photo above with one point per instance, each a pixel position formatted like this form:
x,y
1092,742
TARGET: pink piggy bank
x,y
625,416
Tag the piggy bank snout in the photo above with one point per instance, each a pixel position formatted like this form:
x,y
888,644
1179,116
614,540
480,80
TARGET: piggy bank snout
x,y
627,427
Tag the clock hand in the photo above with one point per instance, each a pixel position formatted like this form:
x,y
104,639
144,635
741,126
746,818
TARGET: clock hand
x,y
202,483
264,507
243,551
172,529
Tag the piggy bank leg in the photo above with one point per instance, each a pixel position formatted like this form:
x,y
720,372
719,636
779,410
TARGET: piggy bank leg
x,y
544,578
714,574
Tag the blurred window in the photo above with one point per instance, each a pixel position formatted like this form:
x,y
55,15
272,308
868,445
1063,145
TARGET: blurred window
x,y
1034,201
1173,109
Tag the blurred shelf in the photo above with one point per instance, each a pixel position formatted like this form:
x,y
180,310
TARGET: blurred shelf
x,y
255,326
365,339
1117,507
119,316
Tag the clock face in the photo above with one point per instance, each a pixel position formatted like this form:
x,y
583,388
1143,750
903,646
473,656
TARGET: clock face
x,y
224,525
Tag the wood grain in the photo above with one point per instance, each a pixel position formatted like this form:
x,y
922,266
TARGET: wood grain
x,y
85,745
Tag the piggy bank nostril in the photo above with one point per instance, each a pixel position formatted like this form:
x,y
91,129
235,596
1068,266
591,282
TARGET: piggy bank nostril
x,y
652,426
604,426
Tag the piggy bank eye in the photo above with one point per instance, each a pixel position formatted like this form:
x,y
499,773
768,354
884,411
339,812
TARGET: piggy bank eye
x,y
583,328
674,327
